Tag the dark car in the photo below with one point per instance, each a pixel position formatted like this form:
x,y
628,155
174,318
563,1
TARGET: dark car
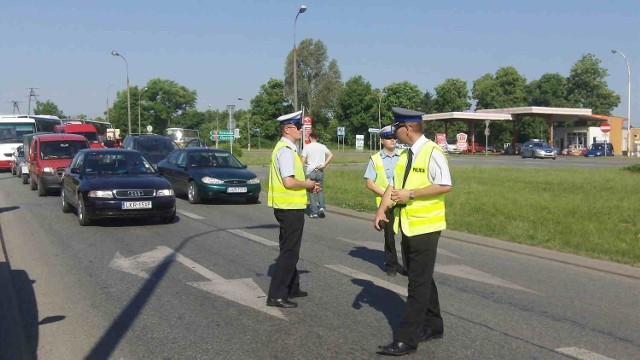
x,y
201,173
154,147
115,183
599,149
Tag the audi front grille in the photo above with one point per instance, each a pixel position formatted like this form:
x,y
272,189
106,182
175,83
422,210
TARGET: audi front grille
x,y
134,193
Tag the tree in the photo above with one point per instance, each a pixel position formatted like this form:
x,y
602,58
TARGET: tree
x,y
319,80
550,91
267,106
48,108
162,102
587,87
357,108
452,95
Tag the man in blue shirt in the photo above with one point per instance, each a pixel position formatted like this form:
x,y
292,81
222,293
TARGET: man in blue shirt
x,y
379,175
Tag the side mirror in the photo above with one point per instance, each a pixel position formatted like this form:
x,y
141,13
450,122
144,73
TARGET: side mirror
x,y
75,171
244,166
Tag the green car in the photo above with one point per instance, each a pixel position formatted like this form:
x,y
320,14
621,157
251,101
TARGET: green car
x,y
209,174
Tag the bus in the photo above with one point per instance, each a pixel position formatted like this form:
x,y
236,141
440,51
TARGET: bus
x,y
12,129
182,137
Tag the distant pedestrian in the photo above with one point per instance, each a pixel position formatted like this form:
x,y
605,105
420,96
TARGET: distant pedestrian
x,y
379,176
288,197
316,157
421,181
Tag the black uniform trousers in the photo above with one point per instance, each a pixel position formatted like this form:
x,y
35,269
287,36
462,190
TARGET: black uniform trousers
x,y
285,279
390,254
422,310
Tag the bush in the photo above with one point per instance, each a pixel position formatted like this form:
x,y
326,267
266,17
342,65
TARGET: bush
x,y
237,150
635,168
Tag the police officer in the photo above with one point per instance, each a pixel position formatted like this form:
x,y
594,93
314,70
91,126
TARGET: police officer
x,y
379,175
288,198
421,181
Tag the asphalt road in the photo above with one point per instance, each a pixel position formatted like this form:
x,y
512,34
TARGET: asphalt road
x,y
195,289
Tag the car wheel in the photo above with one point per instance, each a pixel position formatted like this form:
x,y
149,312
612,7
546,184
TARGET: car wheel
x,y
522,155
253,199
13,171
33,184
169,219
25,179
66,208
192,193
82,212
42,191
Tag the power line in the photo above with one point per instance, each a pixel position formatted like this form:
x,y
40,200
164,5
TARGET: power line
x,y
16,106
33,94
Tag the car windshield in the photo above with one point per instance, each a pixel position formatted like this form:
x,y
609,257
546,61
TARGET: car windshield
x,y
213,159
117,163
61,149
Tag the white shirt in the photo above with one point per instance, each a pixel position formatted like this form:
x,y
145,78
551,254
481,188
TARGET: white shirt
x,y
438,166
315,154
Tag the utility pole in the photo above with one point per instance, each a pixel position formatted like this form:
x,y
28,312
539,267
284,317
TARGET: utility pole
x,y
33,94
16,106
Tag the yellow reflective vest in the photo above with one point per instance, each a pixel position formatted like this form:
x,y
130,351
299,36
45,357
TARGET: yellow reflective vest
x,y
381,175
280,197
426,214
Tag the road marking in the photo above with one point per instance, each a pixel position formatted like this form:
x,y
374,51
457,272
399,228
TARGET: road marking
x,y
252,237
188,214
400,290
374,245
243,291
582,354
466,272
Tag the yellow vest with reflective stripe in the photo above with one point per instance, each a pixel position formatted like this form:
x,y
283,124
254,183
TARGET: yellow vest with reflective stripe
x,y
280,197
381,175
424,215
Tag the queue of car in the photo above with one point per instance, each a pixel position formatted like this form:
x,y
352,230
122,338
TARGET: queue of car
x,y
130,182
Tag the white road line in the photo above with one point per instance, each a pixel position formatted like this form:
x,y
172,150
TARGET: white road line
x,y
188,214
582,354
374,245
400,290
252,237
466,272
193,265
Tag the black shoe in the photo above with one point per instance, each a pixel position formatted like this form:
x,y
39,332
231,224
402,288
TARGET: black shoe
x,y
397,348
283,303
321,214
429,334
391,271
298,294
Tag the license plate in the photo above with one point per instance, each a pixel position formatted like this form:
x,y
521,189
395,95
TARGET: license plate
x,y
136,204
237,190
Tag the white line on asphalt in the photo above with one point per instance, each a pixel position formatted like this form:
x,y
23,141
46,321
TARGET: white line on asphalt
x,y
188,214
466,272
582,354
252,237
400,290
374,245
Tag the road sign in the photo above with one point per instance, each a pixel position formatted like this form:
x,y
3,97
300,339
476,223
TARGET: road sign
x,y
226,132
340,131
605,127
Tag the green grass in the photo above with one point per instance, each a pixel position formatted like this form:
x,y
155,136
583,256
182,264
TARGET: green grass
x,y
591,212
264,157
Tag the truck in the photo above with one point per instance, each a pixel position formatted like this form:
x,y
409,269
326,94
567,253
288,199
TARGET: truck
x,y
87,130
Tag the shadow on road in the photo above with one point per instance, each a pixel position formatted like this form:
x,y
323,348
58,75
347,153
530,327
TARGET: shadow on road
x,y
376,257
9,208
104,348
18,315
390,304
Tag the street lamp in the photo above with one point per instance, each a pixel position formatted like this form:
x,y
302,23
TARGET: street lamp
x,y
613,51
108,88
115,53
248,128
139,94
302,9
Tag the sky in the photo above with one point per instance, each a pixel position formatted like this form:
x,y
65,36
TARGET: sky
x,y
227,50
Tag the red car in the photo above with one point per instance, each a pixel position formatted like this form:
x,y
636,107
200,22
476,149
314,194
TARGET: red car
x,y
475,147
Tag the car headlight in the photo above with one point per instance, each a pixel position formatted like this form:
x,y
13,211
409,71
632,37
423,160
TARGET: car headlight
x,y
164,192
254,181
48,170
101,194
210,180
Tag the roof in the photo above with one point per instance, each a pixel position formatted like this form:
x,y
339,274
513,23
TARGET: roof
x,y
466,116
53,137
554,113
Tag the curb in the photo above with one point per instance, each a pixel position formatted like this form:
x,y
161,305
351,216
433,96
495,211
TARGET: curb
x,y
12,345
551,255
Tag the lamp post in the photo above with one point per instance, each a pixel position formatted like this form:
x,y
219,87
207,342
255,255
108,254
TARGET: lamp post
x,y
613,51
115,53
379,116
139,94
248,128
108,88
302,9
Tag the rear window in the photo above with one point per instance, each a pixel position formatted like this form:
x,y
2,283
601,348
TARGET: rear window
x,y
61,149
